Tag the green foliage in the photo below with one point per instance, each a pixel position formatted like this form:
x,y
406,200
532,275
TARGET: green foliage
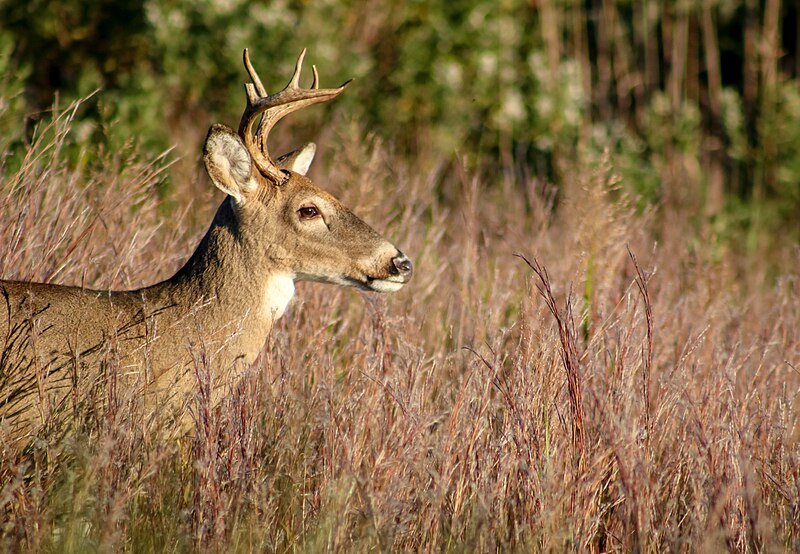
x,y
515,83
12,104
784,126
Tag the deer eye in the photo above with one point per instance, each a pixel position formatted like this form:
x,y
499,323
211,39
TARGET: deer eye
x,y
308,212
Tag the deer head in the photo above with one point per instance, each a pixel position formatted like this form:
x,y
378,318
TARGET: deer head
x,y
303,232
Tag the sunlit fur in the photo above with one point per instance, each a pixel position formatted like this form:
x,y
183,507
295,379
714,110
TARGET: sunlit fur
x,y
217,309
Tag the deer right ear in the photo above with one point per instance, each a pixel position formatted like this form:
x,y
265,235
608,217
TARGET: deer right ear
x,y
300,160
228,162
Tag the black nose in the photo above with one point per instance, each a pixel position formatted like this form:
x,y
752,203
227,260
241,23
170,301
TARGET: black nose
x,y
403,265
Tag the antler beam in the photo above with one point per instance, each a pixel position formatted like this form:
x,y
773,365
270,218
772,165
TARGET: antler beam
x,y
273,108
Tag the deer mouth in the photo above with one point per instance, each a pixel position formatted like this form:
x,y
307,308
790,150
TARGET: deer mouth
x,y
388,279
375,284
384,285
398,274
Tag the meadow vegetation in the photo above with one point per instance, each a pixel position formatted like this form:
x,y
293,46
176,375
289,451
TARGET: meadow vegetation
x,y
599,350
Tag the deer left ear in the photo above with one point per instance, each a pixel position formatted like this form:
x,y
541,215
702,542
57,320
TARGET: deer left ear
x,y
300,160
228,163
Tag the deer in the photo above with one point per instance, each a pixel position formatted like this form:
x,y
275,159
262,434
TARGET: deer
x,y
274,228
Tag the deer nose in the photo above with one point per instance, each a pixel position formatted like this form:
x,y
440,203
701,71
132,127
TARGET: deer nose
x,y
403,266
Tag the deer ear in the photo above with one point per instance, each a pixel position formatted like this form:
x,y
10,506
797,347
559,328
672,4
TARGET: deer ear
x,y
228,162
300,160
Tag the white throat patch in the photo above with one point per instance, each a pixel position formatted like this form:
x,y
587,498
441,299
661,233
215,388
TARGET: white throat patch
x,y
279,291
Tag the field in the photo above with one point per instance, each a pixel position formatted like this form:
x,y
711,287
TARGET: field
x,y
567,374
579,364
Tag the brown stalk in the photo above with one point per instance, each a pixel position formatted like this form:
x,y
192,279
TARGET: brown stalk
x,y
642,281
569,355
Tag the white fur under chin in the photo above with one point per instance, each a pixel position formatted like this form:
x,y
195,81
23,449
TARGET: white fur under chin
x,y
279,291
384,285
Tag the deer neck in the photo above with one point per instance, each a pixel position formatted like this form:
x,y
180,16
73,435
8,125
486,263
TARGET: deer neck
x,y
229,280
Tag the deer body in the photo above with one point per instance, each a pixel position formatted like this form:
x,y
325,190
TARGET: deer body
x,y
275,227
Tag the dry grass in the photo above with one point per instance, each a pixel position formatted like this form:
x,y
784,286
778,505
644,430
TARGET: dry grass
x,y
595,399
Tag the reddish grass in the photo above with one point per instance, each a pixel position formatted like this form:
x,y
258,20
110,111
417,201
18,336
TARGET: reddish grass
x,y
485,407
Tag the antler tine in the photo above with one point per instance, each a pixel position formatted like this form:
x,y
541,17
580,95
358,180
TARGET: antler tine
x,y
273,108
253,74
298,67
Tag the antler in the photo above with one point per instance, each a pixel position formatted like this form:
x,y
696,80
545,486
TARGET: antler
x,y
274,107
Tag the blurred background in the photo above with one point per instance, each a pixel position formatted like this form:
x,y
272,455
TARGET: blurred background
x,y
697,101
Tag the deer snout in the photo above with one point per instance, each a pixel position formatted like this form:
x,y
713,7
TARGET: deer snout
x,y
403,266
386,274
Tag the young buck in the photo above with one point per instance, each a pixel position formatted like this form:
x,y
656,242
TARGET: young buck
x,y
64,346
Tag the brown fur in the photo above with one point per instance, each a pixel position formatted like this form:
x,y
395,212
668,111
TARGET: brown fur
x,y
60,343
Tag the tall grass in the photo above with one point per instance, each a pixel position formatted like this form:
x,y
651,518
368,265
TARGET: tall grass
x,y
487,406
